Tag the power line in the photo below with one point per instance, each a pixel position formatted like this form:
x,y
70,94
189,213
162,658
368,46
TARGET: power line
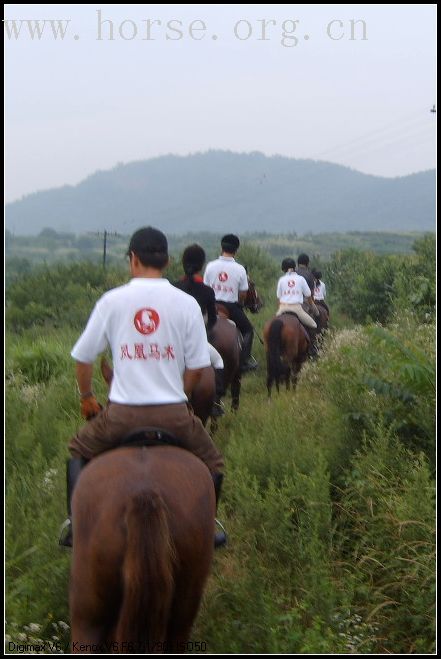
x,y
375,134
374,145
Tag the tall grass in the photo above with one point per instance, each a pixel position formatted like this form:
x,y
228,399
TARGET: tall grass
x,y
328,496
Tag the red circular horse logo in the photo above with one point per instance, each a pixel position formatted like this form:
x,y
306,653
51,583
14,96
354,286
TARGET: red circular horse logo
x,y
223,276
146,321
291,283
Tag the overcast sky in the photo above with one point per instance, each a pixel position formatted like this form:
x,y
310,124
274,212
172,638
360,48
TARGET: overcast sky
x,y
82,103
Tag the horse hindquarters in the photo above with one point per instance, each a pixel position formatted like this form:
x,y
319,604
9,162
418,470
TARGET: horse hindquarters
x,y
147,575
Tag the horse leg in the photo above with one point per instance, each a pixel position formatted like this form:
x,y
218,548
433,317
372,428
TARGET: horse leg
x,y
288,378
295,374
235,392
92,617
188,595
90,625
88,638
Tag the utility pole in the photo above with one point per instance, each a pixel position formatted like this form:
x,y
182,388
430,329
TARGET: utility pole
x,y
105,249
105,236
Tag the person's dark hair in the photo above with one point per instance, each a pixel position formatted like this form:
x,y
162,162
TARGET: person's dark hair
x,y
288,264
317,274
150,246
303,259
193,259
230,243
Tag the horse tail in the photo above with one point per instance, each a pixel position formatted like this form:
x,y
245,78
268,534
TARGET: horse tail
x,y
147,574
276,368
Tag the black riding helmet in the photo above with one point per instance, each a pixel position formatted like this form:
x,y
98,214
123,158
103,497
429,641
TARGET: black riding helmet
x,y
288,264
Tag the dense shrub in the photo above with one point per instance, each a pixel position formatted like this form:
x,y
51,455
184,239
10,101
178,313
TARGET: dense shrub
x,y
386,532
415,283
61,295
371,287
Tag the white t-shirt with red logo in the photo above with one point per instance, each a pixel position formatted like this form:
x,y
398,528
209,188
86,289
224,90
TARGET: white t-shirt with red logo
x,y
227,278
155,331
292,288
320,291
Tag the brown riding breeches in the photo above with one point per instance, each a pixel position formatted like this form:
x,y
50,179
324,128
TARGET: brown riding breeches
x,y
304,317
107,429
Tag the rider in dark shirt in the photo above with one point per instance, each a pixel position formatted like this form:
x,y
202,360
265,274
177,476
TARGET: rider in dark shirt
x,y
193,260
304,271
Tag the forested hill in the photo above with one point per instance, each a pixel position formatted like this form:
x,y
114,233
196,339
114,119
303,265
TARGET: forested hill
x,y
224,191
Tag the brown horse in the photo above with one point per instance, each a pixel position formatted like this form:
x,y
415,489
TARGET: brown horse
x,y
323,318
286,345
322,324
226,338
203,395
252,301
142,550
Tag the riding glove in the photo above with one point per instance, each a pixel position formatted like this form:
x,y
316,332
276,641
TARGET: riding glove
x,y
90,407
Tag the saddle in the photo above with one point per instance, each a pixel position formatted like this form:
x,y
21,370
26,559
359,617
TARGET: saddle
x,y
222,312
150,436
290,313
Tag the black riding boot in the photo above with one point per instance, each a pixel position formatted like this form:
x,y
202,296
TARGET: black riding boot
x,y
248,363
220,537
312,350
73,469
218,408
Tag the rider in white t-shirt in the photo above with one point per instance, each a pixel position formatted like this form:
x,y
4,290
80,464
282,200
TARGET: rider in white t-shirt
x,y
154,332
229,281
159,347
292,292
320,290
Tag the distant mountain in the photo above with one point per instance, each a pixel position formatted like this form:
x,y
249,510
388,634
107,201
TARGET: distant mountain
x,y
222,191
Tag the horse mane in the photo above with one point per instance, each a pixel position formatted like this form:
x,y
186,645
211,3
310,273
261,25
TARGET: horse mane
x,y
252,301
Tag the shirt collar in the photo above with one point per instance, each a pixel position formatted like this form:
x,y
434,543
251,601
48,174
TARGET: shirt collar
x,y
148,280
196,278
227,258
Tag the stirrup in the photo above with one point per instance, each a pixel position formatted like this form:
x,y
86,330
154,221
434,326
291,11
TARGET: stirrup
x,y
65,539
220,537
250,365
218,409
